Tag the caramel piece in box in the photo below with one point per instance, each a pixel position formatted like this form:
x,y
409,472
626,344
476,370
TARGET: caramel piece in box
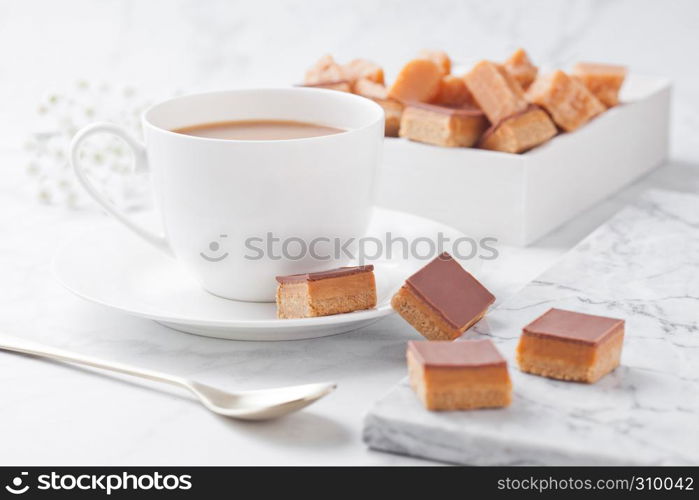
x,y
603,80
393,109
520,132
568,345
418,81
438,56
461,375
325,70
442,300
497,93
370,89
567,100
323,293
521,68
442,126
453,93
361,69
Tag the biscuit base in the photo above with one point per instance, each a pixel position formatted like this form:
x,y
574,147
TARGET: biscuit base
x,y
425,319
568,360
340,295
449,389
441,129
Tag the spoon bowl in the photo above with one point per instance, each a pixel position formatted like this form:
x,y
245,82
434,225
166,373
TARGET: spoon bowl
x,y
263,404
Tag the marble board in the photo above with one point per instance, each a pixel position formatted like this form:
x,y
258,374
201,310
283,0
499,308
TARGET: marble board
x,y
643,266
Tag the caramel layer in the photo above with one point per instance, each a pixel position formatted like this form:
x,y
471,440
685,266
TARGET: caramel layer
x,y
341,285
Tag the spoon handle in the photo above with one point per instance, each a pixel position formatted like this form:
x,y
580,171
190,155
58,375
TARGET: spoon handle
x,y
15,344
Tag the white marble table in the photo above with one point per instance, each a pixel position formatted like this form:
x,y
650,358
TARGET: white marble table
x,y
101,420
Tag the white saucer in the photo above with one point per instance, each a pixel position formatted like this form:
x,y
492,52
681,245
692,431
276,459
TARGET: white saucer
x,y
110,266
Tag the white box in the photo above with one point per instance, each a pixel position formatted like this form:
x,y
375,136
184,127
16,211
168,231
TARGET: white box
x,y
520,198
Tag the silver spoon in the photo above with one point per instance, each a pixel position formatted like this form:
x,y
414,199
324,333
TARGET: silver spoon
x,y
246,405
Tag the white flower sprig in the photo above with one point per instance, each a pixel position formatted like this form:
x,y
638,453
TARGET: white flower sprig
x,y
106,159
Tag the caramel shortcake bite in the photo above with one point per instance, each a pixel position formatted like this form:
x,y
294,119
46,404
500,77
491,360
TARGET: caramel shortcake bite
x,y
442,300
370,89
568,345
325,70
453,93
520,132
567,100
417,81
362,69
603,80
336,291
497,93
442,126
438,56
521,68
460,375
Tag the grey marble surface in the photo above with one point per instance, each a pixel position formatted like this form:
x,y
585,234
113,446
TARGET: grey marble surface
x,y
161,45
641,266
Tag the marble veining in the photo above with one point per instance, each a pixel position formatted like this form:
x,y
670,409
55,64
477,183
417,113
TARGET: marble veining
x,y
641,266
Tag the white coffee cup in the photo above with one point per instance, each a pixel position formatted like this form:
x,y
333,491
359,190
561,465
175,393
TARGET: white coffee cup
x,y
214,194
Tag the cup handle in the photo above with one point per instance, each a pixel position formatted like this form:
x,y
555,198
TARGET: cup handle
x,y
140,165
